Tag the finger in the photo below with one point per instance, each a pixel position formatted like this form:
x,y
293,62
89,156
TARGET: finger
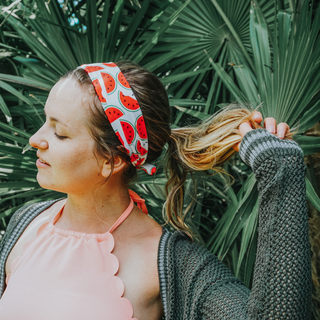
x,y
244,128
257,116
282,129
270,124
237,147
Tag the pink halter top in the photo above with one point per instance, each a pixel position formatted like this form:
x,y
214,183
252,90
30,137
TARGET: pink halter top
x,y
64,274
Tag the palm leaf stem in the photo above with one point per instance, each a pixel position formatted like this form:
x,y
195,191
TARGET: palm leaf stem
x,y
234,33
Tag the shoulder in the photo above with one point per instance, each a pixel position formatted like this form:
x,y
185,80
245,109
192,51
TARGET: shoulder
x,y
25,223
23,217
29,210
17,225
184,248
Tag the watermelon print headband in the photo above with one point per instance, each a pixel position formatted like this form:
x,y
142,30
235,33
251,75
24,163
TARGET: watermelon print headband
x,y
123,111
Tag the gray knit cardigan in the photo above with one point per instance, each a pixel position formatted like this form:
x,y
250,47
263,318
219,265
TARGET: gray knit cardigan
x,y
195,285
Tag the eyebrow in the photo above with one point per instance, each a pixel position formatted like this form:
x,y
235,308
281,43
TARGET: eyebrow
x,y
55,119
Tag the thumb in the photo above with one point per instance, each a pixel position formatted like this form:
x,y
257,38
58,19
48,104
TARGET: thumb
x,y
243,128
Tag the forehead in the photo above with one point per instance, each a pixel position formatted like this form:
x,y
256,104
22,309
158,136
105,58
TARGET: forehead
x,y
68,101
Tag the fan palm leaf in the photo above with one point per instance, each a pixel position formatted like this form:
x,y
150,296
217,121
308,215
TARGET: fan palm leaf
x,y
284,81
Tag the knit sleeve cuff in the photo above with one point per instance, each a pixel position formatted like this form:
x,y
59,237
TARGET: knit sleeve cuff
x,y
259,145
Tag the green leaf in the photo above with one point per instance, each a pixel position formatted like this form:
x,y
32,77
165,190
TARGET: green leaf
x,y
164,58
186,102
19,95
231,218
261,53
229,83
182,76
248,233
24,81
15,130
287,75
234,32
247,84
312,195
5,110
153,39
308,144
131,29
196,114
113,30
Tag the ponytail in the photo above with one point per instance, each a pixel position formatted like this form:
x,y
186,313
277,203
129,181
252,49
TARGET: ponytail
x,y
205,146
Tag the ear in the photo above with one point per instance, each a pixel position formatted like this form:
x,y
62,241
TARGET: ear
x,y
118,165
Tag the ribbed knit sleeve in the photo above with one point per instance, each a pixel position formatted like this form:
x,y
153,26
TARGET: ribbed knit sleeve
x,y
282,275
198,286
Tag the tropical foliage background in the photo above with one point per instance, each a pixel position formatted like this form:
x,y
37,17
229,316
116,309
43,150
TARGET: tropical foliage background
x,y
207,53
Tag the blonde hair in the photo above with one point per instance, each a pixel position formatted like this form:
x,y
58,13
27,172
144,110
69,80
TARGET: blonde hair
x,y
206,146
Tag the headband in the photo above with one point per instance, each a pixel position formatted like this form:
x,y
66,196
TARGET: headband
x,y
123,111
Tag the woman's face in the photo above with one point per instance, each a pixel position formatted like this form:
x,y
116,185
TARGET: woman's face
x,y
64,143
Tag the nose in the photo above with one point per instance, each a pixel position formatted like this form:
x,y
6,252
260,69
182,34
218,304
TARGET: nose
x,y
38,141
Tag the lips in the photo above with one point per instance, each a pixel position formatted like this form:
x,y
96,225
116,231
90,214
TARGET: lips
x,y
42,161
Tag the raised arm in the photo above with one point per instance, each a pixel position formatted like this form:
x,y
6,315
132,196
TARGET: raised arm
x,y
199,286
282,275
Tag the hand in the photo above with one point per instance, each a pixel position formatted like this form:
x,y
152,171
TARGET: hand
x,y
269,123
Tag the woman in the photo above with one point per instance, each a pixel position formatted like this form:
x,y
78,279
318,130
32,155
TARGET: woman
x,y
96,255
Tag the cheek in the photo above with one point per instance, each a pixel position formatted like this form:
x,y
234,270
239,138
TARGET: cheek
x,y
73,168
79,164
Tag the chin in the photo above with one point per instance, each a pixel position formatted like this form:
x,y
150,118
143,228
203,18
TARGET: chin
x,y
46,183
62,187
52,187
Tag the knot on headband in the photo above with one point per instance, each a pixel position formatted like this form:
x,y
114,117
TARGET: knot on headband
x,y
123,111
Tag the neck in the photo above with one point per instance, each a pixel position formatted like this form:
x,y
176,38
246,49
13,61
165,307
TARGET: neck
x,y
94,211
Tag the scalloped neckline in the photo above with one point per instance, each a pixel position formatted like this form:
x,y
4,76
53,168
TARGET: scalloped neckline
x,y
77,234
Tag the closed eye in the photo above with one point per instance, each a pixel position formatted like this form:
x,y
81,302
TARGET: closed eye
x,y
60,137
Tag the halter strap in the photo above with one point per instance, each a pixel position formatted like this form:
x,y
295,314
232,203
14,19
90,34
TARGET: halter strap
x,y
140,204
139,201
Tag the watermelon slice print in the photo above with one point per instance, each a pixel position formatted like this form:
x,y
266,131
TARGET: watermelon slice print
x,y
113,113
98,89
134,157
141,128
111,64
141,149
122,80
138,163
128,102
92,68
120,139
153,171
128,131
109,82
